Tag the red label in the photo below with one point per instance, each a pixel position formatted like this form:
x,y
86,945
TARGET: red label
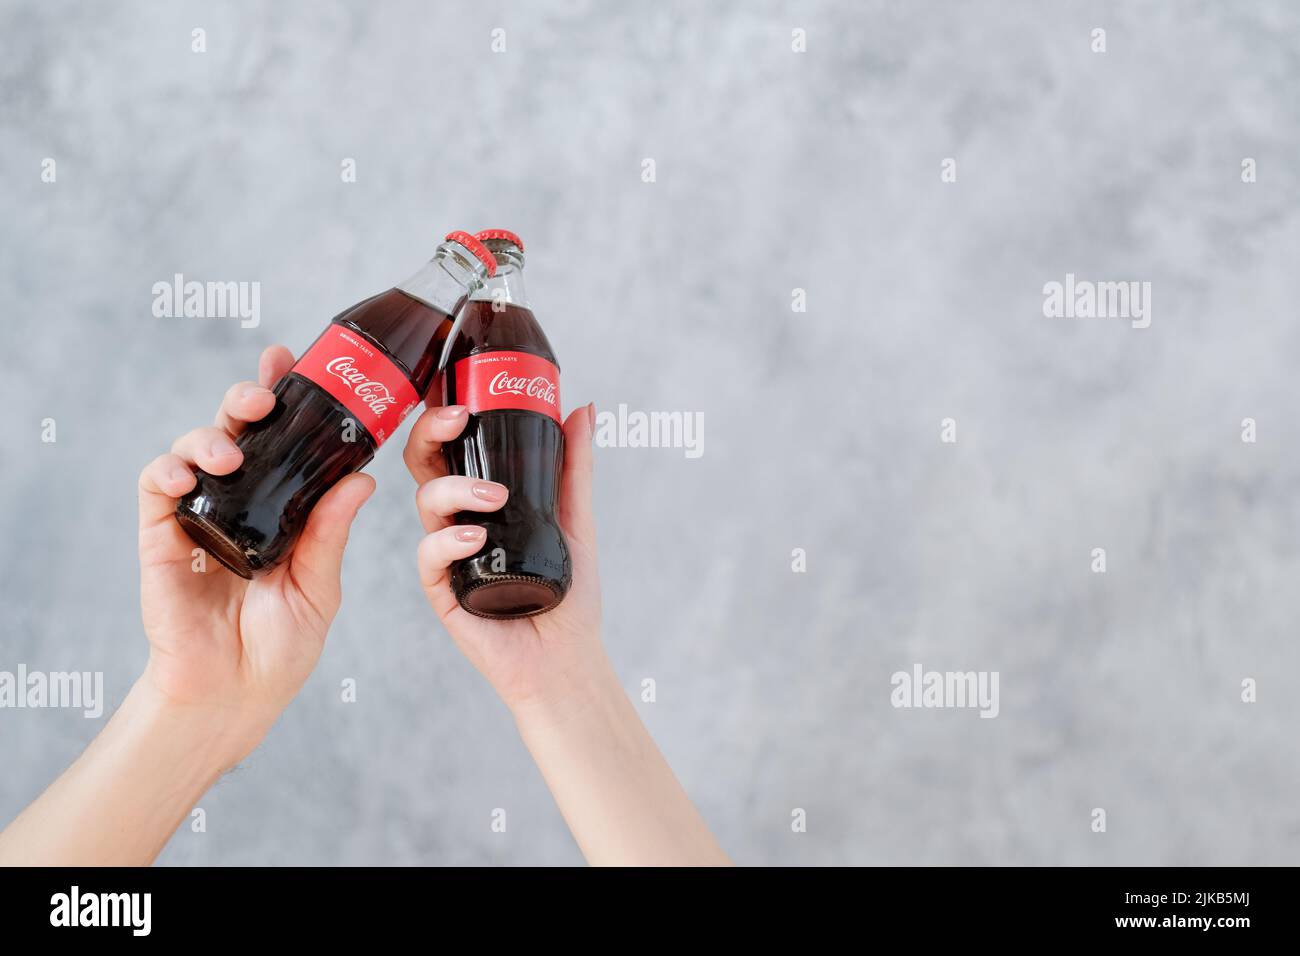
x,y
365,380
493,380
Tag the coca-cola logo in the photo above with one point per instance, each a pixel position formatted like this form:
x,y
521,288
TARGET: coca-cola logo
x,y
504,380
375,395
537,386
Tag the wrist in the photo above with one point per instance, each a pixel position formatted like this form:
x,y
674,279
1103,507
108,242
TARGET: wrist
x,y
572,693
206,739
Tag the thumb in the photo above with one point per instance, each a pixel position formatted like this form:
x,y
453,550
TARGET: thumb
x,y
318,556
575,486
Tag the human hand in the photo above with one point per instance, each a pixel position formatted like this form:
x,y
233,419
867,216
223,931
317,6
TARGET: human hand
x,y
616,792
545,662
235,651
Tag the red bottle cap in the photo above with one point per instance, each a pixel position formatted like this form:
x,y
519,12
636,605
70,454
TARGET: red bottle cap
x,y
505,234
480,251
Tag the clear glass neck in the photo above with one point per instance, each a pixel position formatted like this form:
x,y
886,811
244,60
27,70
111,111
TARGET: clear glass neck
x,y
507,286
446,280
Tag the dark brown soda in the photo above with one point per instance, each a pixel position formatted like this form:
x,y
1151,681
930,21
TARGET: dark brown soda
x,y
250,518
523,567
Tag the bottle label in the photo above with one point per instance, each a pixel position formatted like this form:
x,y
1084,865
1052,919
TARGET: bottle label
x,y
367,382
495,380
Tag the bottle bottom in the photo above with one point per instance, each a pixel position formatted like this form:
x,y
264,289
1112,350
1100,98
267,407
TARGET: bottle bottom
x,y
216,542
503,597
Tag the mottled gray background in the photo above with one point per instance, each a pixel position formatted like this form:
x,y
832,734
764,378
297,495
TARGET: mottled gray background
x,y
776,170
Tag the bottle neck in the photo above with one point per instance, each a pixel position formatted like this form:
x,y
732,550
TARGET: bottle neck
x,y
507,286
442,283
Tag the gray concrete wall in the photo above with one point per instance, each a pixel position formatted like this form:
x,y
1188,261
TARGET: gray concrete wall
x,y
775,170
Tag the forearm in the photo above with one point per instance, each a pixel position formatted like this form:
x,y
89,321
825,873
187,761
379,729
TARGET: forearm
x,y
125,796
618,795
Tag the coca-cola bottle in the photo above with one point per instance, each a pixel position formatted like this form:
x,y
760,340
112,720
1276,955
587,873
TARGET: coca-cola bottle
x,y
341,400
501,367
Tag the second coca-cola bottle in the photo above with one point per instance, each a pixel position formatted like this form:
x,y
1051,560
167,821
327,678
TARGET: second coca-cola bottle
x,y
501,367
343,398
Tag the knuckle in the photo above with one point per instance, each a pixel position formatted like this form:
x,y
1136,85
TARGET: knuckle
x,y
439,492
152,472
424,496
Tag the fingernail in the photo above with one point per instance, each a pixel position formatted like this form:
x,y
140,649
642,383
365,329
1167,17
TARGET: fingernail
x,y
489,491
470,532
222,448
254,391
177,473
451,412
591,416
